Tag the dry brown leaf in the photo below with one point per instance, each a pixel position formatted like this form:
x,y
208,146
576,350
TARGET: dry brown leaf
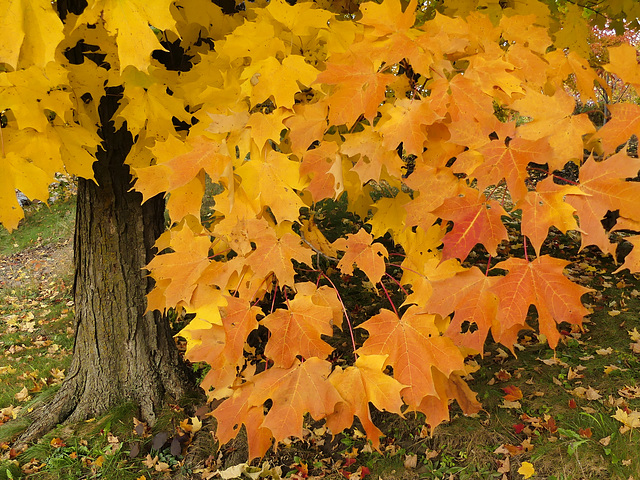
x,y
410,461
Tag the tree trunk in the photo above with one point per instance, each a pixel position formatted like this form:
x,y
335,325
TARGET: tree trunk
x,y
121,353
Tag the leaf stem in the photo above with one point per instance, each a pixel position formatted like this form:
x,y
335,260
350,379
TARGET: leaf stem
x,y
389,298
398,282
346,315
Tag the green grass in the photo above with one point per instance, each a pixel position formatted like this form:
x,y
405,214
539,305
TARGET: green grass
x,y
43,224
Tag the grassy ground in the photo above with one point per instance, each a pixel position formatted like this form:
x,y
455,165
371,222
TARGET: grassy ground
x,y
576,418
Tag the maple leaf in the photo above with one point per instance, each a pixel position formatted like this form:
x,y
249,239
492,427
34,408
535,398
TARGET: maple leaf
x,y
130,24
554,120
238,320
545,207
415,347
475,220
373,157
180,269
606,188
306,125
292,70
509,160
179,163
359,250
238,410
540,283
624,64
388,16
406,121
272,181
35,31
469,295
302,388
564,64
297,330
625,122
632,260
436,407
512,393
434,186
275,255
324,163
359,88
358,385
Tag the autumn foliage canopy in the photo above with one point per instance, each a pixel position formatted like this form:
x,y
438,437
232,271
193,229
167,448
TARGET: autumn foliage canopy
x,y
430,124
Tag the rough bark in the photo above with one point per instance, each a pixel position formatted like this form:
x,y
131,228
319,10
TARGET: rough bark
x,y
121,353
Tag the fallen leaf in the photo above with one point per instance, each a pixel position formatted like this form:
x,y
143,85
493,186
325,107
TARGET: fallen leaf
x,y
57,443
22,395
505,465
411,461
605,441
585,432
629,420
526,470
592,394
604,351
629,392
512,393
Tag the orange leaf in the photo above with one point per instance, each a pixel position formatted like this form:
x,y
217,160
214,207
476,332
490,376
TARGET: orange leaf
x,y
469,295
297,331
359,250
415,347
512,393
475,220
358,385
540,283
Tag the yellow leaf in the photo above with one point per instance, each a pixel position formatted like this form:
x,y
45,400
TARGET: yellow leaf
x,y
299,19
629,420
32,30
130,22
259,79
526,470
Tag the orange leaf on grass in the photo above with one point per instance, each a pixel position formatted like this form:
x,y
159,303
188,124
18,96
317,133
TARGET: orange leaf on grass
x,y
512,393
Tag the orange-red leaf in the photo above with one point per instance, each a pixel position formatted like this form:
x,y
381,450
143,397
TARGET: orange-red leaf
x,y
512,393
475,220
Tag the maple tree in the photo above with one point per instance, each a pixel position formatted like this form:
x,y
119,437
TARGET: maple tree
x,y
452,110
